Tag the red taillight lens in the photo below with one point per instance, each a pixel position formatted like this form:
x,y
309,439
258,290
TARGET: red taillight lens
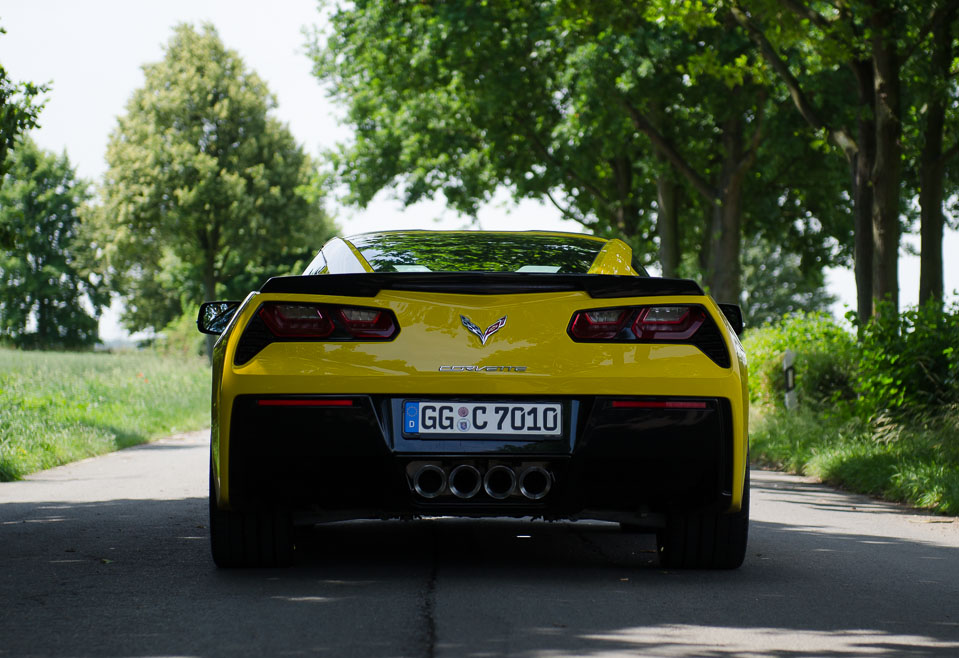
x,y
301,402
637,323
326,321
668,322
296,320
598,323
657,404
367,322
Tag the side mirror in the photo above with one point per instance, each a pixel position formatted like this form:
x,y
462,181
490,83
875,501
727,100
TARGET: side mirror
x,y
215,316
735,316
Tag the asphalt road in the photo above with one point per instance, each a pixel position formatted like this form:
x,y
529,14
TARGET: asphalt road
x,y
109,557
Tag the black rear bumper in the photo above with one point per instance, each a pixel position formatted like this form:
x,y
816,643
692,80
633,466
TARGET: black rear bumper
x,y
340,462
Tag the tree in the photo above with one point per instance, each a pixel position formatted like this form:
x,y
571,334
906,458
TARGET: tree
x,y
18,113
41,281
614,116
935,96
778,284
874,40
205,193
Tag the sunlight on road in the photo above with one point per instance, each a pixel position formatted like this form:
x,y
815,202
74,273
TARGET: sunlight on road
x,y
682,640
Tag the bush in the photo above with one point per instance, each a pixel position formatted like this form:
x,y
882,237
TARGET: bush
x,y
181,337
825,363
909,363
879,416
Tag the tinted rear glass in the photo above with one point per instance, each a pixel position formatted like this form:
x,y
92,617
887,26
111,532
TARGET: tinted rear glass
x,y
478,252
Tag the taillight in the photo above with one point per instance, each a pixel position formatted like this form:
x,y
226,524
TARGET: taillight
x,y
304,402
668,322
599,323
368,322
296,320
327,321
657,404
637,323
305,322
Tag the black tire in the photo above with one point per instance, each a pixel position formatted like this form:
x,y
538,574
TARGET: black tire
x,y
705,541
258,537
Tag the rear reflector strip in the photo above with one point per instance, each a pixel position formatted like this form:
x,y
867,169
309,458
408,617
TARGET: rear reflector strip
x,y
653,404
305,403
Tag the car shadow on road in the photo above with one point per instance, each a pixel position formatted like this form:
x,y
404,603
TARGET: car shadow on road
x,y
134,577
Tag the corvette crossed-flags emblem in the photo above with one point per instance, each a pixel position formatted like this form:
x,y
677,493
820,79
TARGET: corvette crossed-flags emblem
x,y
479,333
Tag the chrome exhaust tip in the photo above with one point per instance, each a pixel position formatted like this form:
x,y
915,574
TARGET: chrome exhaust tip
x,y
465,481
429,481
535,482
499,482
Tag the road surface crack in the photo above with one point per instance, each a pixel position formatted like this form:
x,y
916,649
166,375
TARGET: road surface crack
x,y
428,610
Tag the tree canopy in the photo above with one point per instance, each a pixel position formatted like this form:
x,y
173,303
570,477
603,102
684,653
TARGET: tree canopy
x,y
683,126
19,109
644,129
47,299
896,57
206,194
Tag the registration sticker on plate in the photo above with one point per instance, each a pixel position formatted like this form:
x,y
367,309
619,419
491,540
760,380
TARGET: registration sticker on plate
x,y
483,418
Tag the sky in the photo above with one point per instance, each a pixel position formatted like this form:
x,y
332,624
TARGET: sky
x,y
92,52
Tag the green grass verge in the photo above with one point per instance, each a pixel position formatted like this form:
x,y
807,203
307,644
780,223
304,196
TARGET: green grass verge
x,y
914,462
58,407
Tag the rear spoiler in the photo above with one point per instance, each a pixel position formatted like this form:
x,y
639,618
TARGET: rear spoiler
x,y
599,286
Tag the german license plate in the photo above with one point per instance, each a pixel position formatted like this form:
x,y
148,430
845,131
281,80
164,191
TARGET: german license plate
x,y
483,418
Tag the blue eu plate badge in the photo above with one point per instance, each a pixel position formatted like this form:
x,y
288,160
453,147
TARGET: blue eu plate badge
x,y
412,417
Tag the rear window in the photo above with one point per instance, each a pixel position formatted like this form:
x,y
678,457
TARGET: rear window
x,y
479,252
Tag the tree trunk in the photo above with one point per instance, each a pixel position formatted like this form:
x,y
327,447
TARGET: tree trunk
x,y
932,169
626,214
706,240
931,172
861,165
667,224
209,292
725,277
885,215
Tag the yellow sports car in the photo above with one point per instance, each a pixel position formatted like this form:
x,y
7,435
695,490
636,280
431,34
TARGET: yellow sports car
x,y
479,374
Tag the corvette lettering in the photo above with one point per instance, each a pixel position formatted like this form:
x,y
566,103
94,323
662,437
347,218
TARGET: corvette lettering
x,y
482,368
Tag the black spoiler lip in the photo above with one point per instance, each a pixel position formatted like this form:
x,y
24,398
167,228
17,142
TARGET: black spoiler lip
x,y
599,286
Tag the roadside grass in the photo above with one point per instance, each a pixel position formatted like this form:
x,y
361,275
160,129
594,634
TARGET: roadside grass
x,y
57,407
914,461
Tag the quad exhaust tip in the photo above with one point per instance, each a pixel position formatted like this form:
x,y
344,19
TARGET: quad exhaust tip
x,y
429,481
535,482
499,482
465,481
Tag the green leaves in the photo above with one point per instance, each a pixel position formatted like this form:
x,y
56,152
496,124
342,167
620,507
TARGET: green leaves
x,y
19,108
206,193
593,106
43,281
905,364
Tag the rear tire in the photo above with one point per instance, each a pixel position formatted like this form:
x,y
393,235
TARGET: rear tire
x,y
257,537
705,541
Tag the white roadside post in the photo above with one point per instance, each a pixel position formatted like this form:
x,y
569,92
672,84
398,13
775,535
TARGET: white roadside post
x,y
789,373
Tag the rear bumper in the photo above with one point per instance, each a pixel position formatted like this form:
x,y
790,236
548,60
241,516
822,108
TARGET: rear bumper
x,y
612,462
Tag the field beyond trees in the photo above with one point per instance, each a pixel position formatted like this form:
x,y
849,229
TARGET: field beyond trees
x,y
57,407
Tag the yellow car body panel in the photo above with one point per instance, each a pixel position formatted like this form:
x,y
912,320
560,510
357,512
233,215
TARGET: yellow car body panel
x,y
556,365
615,258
